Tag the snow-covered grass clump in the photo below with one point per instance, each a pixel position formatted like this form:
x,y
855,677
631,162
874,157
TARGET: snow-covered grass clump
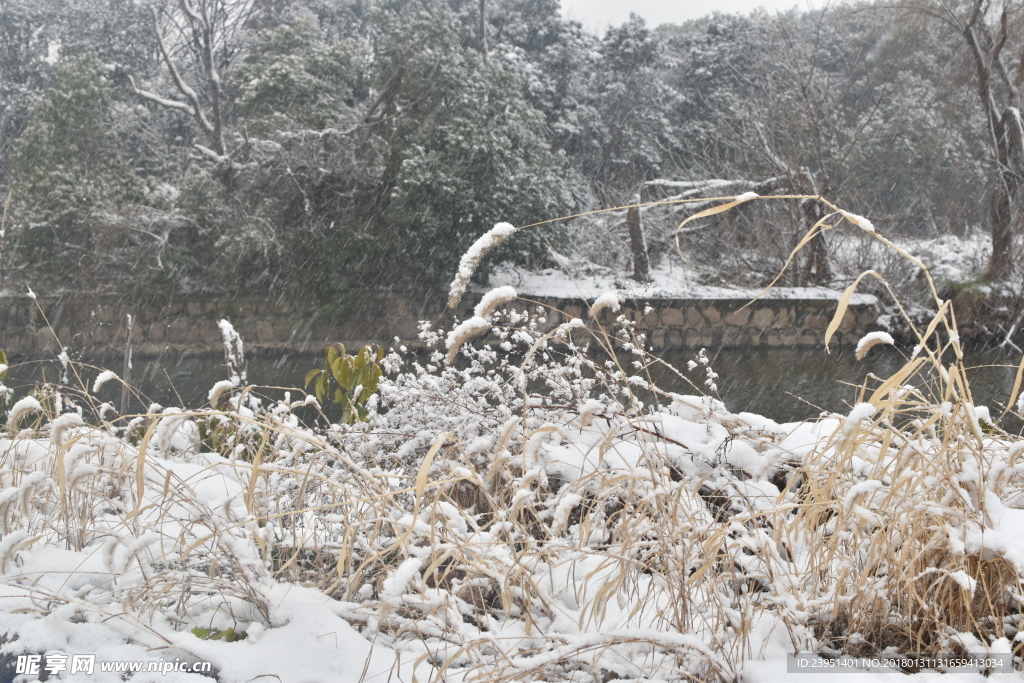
x,y
587,526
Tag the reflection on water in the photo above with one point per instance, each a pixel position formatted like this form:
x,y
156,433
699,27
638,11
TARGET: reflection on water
x,y
794,384
783,384
182,381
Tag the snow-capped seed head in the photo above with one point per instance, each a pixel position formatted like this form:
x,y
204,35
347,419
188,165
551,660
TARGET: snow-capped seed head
x,y
7,546
233,352
21,409
608,300
218,389
870,340
468,329
494,298
471,259
102,379
60,425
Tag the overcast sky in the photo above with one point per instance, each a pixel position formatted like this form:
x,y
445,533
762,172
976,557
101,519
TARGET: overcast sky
x,y
596,15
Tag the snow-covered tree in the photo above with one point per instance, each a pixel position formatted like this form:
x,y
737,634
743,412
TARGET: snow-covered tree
x,y
70,177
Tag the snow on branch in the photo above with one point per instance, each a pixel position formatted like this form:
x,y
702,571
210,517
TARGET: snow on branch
x,y
162,101
208,153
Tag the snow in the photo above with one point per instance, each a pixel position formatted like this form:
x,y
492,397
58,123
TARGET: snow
x,y
307,641
397,583
746,196
861,222
306,635
668,283
858,413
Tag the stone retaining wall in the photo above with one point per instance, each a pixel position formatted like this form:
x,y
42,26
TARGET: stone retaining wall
x,y
96,326
732,323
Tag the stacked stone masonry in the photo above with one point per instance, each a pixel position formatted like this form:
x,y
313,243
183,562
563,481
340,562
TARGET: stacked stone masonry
x,y
734,323
96,326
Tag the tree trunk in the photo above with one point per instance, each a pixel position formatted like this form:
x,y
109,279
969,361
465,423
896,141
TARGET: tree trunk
x,y
126,369
638,242
817,269
1004,210
483,28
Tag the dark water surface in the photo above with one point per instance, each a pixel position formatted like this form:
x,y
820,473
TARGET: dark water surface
x,y
171,380
794,384
782,384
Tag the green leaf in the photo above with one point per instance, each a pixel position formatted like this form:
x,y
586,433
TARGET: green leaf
x,y
310,375
333,352
347,377
375,374
227,635
321,387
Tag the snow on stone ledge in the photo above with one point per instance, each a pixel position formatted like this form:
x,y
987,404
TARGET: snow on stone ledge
x,y
668,284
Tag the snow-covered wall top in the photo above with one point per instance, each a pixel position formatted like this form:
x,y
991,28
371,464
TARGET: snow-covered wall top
x,y
664,285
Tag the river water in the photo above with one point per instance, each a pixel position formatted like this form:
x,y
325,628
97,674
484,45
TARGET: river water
x,y
782,384
795,384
